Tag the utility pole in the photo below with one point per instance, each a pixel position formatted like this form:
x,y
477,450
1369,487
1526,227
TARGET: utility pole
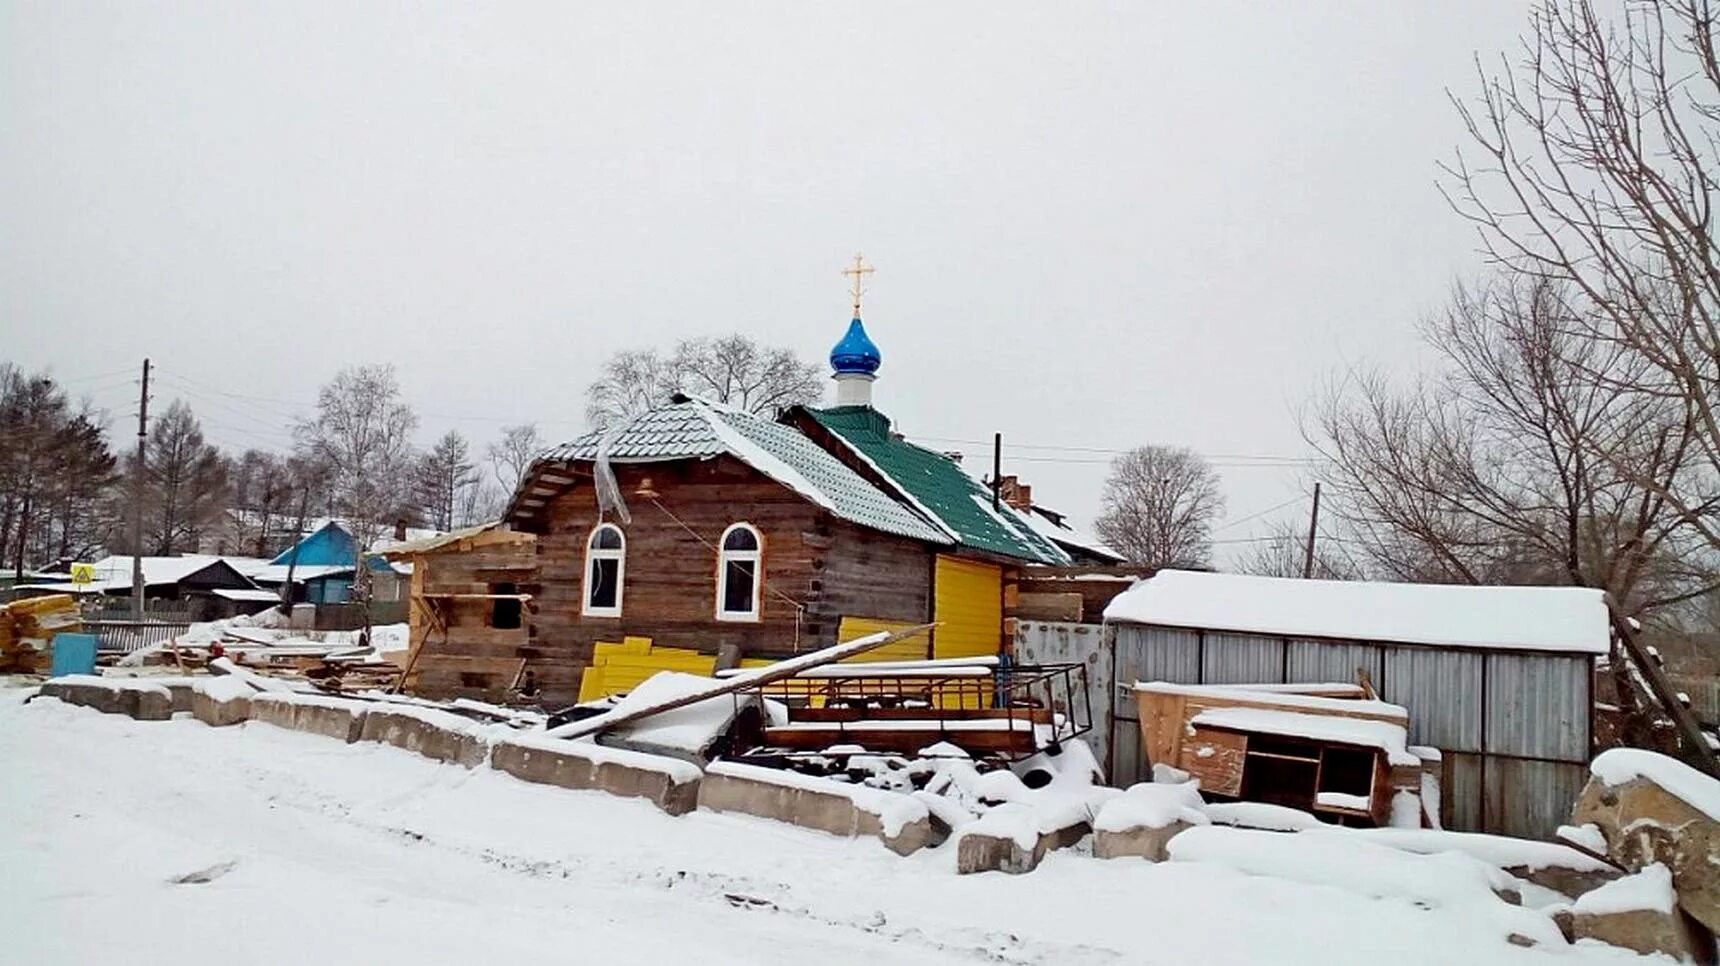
x,y
1313,528
996,470
137,499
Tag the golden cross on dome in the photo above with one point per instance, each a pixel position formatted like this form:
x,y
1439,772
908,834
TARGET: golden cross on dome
x,y
858,271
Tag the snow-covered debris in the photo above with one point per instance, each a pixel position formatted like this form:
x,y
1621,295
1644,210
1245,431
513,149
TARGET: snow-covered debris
x,y
1619,766
1499,851
1260,815
1352,864
1649,889
1359,803
1387,737
691,729
1151,805
1519,618
1586,836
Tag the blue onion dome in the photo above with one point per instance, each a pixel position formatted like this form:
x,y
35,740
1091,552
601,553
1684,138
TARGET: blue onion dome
x,y
855,354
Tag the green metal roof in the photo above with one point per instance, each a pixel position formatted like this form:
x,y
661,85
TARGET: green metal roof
x,y
937,486
696,429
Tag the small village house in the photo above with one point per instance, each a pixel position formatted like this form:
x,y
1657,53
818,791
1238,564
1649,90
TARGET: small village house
x,y
323,564
1500,680
732,536
201,587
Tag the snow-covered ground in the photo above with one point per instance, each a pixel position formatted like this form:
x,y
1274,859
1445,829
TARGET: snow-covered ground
x,y
172,842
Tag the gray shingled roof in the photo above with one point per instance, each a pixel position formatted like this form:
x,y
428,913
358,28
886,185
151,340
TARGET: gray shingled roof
x,y
694,429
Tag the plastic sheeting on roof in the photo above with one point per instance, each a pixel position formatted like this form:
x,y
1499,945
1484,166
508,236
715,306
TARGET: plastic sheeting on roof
x,y
1571,619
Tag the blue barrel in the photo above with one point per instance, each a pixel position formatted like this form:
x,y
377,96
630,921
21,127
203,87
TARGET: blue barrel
x,y
73,654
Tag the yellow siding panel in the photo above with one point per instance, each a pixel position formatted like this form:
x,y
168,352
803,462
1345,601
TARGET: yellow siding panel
x,y
908,649
968,604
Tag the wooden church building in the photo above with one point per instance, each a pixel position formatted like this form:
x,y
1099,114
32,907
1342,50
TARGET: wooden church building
x,y
712,530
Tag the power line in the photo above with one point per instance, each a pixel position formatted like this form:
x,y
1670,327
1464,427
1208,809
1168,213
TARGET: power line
x,y
1050,447
1255,516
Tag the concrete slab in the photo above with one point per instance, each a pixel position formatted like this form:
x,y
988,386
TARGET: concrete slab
x,y
310,713
455,741
670,784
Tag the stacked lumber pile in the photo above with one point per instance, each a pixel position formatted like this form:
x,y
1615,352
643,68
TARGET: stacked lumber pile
x,y
27,626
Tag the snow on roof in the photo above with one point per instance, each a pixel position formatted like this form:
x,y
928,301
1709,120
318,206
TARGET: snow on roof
x,y
1388,738
277,573
1570,619
113,572
264,596
1276,695
695,428
1068,536
434,541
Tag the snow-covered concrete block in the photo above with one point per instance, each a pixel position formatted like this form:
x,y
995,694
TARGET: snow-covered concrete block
x,y
669,783
311,713
1553,865
1640,912
221,701
433,734
900,821
1014,838
1653,809
1141,821
1142,841
136,698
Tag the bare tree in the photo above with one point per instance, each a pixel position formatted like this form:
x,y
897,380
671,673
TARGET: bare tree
x,y
1283,550
1159,505
362,434
733,370
512,455
55,468
1594,164
445,478
185,482
1493,473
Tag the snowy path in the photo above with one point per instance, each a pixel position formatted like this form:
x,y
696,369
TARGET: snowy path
x,y
319,851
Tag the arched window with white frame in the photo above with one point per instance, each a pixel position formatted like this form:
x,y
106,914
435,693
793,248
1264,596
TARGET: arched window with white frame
x,y
605,569
740,573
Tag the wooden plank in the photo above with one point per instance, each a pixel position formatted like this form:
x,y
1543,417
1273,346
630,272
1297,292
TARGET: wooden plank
x,y
902,740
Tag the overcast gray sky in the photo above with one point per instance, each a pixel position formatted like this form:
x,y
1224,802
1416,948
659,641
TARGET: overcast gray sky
x,y
1092,226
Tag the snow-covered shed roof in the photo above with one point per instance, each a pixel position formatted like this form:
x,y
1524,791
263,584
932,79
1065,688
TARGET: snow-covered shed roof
x,y
113,573
697,429
1570,619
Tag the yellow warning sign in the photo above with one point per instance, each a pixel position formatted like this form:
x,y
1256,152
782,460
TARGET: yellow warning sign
x,y
83,574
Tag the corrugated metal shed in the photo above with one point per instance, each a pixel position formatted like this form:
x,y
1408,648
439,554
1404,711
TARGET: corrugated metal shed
x,y
1537,706
1441,689
1241,659
1315,662
1513,726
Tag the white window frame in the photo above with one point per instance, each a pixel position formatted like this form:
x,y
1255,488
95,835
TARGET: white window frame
x,y
724,557
592,555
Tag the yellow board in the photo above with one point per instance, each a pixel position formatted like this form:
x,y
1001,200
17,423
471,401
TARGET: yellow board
x,y
908,649
617,668
968,606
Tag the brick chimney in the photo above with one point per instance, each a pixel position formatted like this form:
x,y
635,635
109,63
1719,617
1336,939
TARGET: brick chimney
x,y
1015,493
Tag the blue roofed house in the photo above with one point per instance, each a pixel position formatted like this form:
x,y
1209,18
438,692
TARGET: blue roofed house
x,y
322,566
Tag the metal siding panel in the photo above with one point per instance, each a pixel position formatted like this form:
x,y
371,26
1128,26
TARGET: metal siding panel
x,y
1538,706
1530,799
1460,793
1320,662
1242,659
1130,765
1441,689
1154,654
1037,643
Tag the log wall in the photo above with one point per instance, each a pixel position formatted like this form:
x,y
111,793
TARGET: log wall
x,y
827,566
469,657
